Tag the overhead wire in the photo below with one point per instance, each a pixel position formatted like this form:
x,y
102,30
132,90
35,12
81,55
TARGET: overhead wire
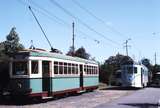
x,y
48,12
83,23
101,20
70,14
95,40
49,15
98,18
41,12
65,23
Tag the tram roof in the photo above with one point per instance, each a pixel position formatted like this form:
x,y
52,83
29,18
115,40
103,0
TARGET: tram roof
x,y
42,53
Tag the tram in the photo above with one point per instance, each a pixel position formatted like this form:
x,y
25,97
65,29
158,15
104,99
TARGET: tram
x,y
134,75
44,74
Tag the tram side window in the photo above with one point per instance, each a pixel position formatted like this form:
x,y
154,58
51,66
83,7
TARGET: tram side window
x,y
20,68
69,68
65,68
142,71
55,67
91,70
97,69
88,70
146,72
73,68
76,68
135,69
60,67
34,65
85,69
94,70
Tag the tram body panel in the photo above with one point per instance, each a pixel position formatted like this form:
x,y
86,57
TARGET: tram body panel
x,y
64,83
91,81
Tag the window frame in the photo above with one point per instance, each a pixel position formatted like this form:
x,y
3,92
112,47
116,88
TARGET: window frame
x,y
69,68
37,67
15,75
61,68
90,70
135,70
55,65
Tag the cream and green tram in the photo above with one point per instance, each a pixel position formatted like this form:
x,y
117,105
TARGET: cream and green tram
x,y
42,73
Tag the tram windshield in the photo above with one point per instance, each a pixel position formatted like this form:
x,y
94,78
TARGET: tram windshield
x,y
130,70
20,68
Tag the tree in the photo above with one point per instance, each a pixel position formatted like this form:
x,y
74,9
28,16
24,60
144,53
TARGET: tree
x,y
103,73
1,49
146,62
12,45
111,66
119,60
7,49
155,70
70,52
81,52
106,73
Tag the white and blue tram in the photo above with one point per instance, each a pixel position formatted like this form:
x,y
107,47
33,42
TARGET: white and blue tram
x,y
42,73
134,75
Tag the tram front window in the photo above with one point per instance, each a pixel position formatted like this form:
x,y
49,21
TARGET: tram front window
x,y
20,68
130,70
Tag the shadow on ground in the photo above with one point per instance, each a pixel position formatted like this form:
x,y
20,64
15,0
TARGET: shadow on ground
x,y
20,101
120,88
154,86
141,105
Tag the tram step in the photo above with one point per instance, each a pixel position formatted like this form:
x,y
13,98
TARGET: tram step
x,y
81,91
49,97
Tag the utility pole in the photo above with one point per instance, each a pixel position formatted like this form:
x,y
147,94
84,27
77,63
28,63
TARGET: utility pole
x,y
73,35
126,46
155,58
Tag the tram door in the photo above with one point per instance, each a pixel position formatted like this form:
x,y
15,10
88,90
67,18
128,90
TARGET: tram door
x,y
46,77
141,77
81,76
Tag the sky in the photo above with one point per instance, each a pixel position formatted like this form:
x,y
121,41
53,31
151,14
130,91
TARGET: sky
x,y
111,22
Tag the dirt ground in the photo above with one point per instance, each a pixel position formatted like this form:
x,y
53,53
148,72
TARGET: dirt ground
x,y
84,100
